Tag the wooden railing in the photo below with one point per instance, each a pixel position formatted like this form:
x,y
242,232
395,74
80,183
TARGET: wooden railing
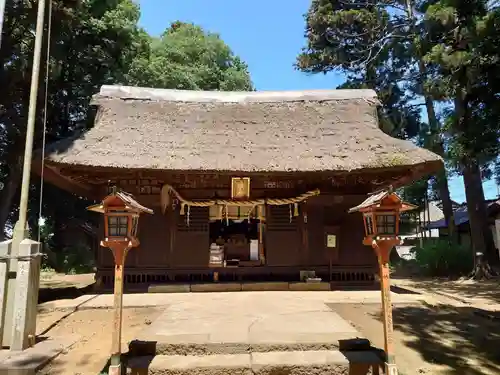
x,y
340,275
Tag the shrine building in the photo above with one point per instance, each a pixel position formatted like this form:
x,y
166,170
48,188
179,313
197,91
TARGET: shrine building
x,y
250,186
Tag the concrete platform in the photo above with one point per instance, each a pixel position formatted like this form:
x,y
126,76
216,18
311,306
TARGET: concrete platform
x,y
320,362
137,300
234,323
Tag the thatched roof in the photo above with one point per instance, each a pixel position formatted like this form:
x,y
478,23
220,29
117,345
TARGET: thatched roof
x,y
323,130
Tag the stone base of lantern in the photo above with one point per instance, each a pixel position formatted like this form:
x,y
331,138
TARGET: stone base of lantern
x,y
390,369
115,369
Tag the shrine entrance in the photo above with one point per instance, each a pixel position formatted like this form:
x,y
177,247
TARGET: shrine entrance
x,y
236,242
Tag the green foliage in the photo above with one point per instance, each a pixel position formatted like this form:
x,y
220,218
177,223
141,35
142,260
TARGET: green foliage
x,y
186,57
465,55
443,258
416,192
465,52
369,42
76,259
93,43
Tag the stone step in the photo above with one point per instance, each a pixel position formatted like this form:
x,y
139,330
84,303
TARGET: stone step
x,y
161,347
312,362
239,286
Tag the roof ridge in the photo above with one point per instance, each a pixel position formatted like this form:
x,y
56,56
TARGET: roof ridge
x,y
153,94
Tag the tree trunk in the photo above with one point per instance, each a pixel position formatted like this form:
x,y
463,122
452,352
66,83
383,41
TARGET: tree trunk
x,y
436,144
442,180
9,192
481,236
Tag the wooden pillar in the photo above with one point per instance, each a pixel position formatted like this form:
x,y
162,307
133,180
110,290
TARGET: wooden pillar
x,y
262,256
383,250
305,235
26,297
120,250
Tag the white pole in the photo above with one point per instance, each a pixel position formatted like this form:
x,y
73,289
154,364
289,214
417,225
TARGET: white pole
x,y
20,229
2,14
30,130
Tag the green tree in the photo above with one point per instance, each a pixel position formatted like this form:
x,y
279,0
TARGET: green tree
x,y
93,43
466,53
379,44
186,57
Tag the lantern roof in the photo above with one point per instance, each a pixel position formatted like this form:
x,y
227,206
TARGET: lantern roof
x,y
120,198
381,199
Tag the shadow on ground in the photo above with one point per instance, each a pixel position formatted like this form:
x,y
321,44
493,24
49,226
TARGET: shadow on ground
x,y
56,293
486,289
451,336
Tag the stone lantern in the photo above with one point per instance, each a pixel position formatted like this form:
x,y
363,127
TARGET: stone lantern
x,y
121,218
381,213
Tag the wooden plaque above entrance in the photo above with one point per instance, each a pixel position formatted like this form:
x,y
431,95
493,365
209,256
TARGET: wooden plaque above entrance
x,y
240,188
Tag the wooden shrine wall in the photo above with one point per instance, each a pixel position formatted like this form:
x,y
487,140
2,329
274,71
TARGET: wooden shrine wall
x,y
168,242
154,235
191,242
329,215
153,251
283,241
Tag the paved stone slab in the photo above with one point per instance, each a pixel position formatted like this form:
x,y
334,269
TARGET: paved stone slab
x,y
216,287
309,286
256,319
28,361
170,288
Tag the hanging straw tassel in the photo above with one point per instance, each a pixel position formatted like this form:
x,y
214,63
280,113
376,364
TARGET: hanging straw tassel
x,y
296,209
251,213
165,198
183,210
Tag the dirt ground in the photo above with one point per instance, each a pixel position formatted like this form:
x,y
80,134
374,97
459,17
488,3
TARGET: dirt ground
x,y
476,292
437,340
90,354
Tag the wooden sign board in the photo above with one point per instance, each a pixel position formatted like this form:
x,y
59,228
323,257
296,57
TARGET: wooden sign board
x,y
331,240
240,188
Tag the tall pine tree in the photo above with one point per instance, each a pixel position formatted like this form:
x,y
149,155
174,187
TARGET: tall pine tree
x,y
380,45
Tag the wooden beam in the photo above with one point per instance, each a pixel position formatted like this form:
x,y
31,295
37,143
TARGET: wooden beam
x,y
53,176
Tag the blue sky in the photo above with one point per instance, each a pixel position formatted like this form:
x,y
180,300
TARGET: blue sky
x,y
267,35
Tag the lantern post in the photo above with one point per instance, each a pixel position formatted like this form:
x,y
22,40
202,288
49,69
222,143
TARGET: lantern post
x,y
381,213
121,218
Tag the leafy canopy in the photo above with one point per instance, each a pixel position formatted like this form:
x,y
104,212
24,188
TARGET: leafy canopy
x,y
186,57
